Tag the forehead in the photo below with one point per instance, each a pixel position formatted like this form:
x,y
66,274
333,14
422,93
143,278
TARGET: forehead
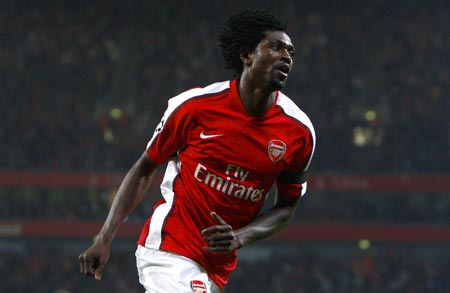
x,y
278,36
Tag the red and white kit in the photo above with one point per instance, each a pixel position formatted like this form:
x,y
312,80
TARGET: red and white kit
x,y
221,159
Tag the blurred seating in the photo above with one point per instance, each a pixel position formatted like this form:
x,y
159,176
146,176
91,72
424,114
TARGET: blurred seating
x,y
51,269
83,86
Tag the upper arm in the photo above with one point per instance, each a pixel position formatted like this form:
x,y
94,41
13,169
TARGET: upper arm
x,y
172,133
291,185
282,201
145,166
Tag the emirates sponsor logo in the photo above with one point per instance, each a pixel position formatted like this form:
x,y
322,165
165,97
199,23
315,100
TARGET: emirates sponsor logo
x,y
276,150
231,184
198,286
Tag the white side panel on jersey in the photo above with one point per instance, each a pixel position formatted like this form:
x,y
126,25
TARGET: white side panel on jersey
x,y
176,101
291,109
304,187
154,237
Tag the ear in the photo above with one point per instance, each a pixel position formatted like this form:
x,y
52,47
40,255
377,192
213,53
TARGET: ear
x,y
246,57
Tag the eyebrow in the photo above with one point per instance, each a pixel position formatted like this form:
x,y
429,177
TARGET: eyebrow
x,y
286,45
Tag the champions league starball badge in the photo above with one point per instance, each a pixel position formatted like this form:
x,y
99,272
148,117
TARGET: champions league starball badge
x,y
276,150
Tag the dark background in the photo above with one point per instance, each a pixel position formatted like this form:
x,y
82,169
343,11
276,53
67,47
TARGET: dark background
x,y
84,83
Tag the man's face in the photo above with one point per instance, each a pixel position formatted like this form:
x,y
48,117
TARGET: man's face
x,y
271,61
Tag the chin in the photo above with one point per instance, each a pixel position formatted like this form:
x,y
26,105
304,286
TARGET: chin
x,y
277,84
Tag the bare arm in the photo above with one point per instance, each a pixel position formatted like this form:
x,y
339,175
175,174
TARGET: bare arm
x,y
268,223
130,193
222,238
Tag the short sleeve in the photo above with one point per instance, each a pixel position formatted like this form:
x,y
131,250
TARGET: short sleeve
x,y
171,134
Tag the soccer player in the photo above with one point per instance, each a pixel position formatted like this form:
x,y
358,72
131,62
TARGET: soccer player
x,y
225,145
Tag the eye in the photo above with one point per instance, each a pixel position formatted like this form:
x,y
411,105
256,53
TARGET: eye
x,y
277,47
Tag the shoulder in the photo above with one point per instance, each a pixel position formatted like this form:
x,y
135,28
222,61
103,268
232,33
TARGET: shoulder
x,y
291,109
198,93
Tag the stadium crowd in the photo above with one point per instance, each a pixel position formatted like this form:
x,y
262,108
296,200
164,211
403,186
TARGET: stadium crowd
x,y
42,269
352,207
83,85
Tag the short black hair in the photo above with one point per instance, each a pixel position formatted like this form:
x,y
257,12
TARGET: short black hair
x,y
243,31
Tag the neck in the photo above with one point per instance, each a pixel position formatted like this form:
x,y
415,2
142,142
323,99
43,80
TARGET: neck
x,y
256,99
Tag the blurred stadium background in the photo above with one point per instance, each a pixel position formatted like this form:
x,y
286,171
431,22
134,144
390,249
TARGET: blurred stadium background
x,y
84,83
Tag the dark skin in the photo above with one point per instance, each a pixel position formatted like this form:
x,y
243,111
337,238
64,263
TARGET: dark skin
x,y
265,71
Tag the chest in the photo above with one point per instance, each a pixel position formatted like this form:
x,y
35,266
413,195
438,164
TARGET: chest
x,y
241,148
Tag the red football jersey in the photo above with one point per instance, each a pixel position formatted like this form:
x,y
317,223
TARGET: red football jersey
x,y
223,160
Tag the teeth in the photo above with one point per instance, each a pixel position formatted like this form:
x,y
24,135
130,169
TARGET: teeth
x,y
282,72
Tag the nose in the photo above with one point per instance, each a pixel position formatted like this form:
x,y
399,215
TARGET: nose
x,y
286,56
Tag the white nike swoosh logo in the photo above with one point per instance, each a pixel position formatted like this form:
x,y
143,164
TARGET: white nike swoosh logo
x,y
206,136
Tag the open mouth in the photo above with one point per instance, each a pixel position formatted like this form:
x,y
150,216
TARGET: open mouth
x,y
283,70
